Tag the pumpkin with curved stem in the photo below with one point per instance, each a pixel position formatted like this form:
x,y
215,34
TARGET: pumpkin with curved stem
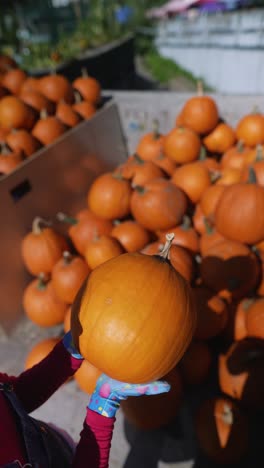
x,y
37,101
9,160
131,235
250,129
184,235
42,247
41,304
22,140
210,198
212,313
14,113
88,87
39,351
84,227
150,145
159,410
230,266
48,128
222,430
109,196
68,275
102,249
86,377
236,157
193,179
118,316
245,225
66,114
254,319
182,145
138,171
220,139
56,88
13,80
196,362
158,205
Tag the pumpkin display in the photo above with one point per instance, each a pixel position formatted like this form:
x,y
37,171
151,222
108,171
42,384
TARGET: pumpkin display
x,y
220,139
48,128
236,157
84,109
153,413
199,219
150,146
22,140
14,113
13,80
131,235
250,129
229,176
109,196
254,318
29,84
212,313
66,114
101,249
240,318
88,87
245,225
184,235
209,238
166,164
9,160
222,430
86,377
6,63
193,179
182,145
68,274
41,304
39,351
42,248
210,198
196,362
151,296
56,88
158,205
139,172
37,101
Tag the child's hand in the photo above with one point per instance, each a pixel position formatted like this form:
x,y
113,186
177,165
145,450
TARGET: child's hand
x,y
109,393
68,343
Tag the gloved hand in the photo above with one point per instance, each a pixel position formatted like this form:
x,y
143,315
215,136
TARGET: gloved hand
x,y
109,393
68,344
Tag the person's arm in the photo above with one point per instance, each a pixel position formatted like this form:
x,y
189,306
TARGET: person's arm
x,y
95,442
34,386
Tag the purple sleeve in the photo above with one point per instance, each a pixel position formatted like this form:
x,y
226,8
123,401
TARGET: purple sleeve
x,y
95,443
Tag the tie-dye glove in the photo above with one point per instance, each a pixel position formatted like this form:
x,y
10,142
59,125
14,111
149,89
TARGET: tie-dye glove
x,y
109,393
68,344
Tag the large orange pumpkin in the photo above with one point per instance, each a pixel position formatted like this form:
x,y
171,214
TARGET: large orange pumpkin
x,y
158,205
39,351
134,318
68,275
182,145
42,248
242,225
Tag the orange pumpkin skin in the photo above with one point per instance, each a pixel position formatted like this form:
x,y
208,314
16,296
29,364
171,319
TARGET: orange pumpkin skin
x,y
15,114
222,430
135,315
13,80
235,157
109,196
48,129
208,239
139,172
89,88
67,320
240,372
182,145
40,351
37,101
199,220
196,363
85,109
30,84
166,164
229,176
87,376
56,88
193,179
68,275
245,225
220,139
212,314
41,249
210,199
255,319
200,113
150,146
152,413
22,140
258,168
66,114
131,235
42,305
184,236
230,266
102,249
9,161
250,129
158,205
240,327
6,63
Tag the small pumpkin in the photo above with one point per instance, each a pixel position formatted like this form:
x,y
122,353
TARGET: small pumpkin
x,y
210,198
182,145
222,430
209,238
42,248
101,249
150,145
184,235
159,205
56,88
13,80
30,84
199,219
135,308
212,313
250,129
88,87
86,377
196,363
109,196
193,179
236,157
41,304
255,318
228,176
39,351
37,101
138,171
166,164
48,128
22,140
220,139
68,275
131,235
84,109
66,114
14,113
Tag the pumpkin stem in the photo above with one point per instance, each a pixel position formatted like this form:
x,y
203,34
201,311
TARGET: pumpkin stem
x,y
255,110
186,223
138,159
43,114
200,89
156,126
240,146
166,249
117,175
77,97
66,219
227,415
43,279
252,179
215,176
84,72
116,222
247,303
67,257
208,226
139,188
4,149
36,229
259,153
202,155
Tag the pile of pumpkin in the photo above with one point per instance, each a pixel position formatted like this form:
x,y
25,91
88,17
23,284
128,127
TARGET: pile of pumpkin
x,y
34,112
203,182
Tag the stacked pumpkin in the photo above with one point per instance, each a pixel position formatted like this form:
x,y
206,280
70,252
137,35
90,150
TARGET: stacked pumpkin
x,y
202,182
34,112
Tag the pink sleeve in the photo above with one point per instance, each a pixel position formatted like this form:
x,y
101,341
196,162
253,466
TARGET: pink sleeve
x,y
34,386
95,443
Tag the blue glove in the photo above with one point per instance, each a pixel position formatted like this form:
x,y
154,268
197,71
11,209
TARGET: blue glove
x,y
109,393
68,344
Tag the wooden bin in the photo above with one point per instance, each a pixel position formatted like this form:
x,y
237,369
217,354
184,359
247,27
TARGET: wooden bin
x,y
56,178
